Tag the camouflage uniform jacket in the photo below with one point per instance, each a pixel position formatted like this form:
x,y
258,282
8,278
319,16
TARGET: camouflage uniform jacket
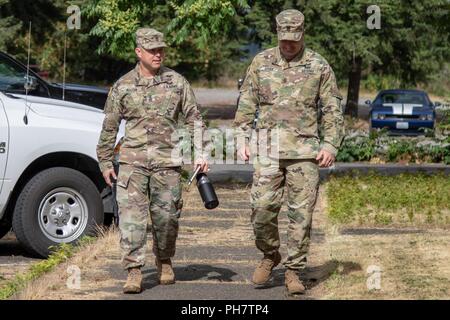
x,y
287,96
150,107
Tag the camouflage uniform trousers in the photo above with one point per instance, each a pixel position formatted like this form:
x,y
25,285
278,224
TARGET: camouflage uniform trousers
x,y
301,178
140,190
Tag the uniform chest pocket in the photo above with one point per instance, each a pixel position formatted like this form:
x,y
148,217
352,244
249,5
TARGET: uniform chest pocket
x,y
268,87
265,94
168,102
309,91
154,102
134,103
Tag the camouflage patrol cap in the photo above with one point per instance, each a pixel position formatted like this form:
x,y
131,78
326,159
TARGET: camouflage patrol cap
x,y
290,25
148,38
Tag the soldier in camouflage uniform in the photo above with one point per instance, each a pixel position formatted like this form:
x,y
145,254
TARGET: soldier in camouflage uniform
x,y
289,85
149,98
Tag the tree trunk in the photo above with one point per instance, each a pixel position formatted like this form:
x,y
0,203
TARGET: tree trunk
x,y
354,78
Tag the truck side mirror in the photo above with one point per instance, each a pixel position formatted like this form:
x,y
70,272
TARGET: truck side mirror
x,y
31,83
437,104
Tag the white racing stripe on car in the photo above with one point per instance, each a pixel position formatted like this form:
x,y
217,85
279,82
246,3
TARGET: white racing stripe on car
x,y
402,109
397,108
408,108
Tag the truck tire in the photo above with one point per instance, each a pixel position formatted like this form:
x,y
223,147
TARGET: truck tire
x,y
58,205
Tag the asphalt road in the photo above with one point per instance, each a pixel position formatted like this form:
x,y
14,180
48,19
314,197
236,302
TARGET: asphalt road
x,y
243,172
222,103
13,258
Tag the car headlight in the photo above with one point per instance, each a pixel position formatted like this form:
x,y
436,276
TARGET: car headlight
x,y
424,117
378,116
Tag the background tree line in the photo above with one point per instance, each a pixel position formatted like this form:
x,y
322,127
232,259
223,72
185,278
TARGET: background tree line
x,y
215,39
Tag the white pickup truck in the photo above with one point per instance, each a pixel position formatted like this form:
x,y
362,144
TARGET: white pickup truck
x,y
51,188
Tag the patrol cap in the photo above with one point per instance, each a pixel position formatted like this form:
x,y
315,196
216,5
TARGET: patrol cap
x,y
149,38
290,25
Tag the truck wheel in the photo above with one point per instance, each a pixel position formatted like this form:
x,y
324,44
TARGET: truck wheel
x,y
58,205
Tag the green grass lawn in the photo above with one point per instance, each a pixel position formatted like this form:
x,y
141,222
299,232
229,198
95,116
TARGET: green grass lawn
x,y
403,199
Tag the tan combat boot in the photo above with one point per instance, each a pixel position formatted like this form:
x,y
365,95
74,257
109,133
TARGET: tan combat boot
x,y
293,284
134,281
265,267
165,271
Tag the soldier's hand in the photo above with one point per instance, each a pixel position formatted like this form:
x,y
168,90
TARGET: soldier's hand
x,y
202,163
325,158
107,175
244,153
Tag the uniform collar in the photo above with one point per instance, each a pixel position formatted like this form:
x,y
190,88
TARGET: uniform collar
x,y
160,77
302,58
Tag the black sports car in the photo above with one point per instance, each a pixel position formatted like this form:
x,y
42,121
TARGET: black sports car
x,y
13,78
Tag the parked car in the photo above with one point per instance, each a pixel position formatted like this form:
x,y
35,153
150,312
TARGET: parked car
x,y
51,187
13,76
402,111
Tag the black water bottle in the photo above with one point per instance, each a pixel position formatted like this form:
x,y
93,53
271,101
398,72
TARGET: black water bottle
x,y
207,192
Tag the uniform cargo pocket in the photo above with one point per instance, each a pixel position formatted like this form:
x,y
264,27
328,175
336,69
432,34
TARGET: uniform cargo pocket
x,y
123,178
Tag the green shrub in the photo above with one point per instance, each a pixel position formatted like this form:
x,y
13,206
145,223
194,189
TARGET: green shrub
x,y
358,146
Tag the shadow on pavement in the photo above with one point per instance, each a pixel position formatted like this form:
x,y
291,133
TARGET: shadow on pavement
x,y
313,276
10,248
189,273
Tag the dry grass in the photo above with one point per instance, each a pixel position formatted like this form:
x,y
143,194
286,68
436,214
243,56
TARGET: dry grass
x,y
414,266
90,261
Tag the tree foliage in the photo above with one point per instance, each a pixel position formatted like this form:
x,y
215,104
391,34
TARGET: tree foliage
x,y
9,25
198,31
210,38
412,45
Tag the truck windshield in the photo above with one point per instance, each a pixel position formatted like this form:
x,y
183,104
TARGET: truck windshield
x,y
12,78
